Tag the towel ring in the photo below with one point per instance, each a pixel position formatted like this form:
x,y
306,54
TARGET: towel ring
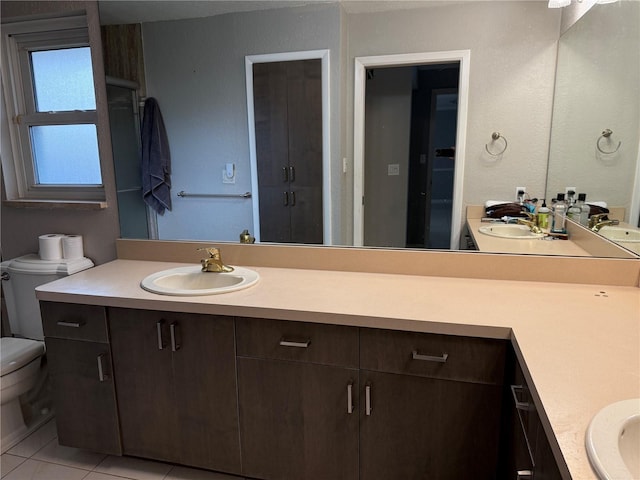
x,y
606,134
495,136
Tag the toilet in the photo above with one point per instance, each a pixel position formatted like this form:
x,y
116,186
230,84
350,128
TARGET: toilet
x,y
22,372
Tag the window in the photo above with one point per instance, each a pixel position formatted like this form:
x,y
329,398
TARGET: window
x,y
51,108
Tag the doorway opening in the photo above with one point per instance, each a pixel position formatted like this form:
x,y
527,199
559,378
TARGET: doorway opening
x,y
409,136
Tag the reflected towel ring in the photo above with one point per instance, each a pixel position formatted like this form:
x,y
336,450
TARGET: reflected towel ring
x,y
606,134
495,136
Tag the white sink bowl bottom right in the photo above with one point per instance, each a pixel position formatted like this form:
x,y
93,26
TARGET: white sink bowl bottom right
x,y
613,441
511,231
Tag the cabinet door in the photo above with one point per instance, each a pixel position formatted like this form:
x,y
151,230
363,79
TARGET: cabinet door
x,y
84,395
295,422
143,374
424,428
205,392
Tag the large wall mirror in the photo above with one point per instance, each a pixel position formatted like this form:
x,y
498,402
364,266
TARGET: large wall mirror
x,y
195,65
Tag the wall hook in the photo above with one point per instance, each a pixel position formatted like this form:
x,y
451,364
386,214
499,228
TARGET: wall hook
x,y
606,133
495,136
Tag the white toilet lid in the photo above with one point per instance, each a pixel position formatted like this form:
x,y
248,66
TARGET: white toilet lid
x,y
15,353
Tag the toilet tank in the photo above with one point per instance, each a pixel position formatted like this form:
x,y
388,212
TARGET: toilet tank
x,y
20,277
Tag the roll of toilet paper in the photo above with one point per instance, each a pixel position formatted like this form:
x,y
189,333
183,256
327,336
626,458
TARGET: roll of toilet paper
x,y
72,247
51,246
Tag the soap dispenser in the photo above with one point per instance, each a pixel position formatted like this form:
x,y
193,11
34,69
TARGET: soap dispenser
x,y
543,215
246,237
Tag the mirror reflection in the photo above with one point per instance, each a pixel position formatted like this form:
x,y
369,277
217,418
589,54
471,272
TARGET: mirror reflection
x,y
195,68
596,119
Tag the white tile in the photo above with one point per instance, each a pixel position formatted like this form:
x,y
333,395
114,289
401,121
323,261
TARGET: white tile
x,y
8,463
102,476
36,470
135,468
71,457
184,473
35,441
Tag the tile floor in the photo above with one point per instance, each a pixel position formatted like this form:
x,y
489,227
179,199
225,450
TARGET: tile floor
x,y
39,457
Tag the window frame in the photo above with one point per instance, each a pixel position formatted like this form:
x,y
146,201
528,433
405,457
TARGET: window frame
x,y
19,40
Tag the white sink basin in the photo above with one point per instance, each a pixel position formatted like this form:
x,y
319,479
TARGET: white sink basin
x,y
613,441
510,231
191,281
620,234
625,237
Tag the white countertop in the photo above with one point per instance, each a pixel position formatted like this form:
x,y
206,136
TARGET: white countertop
x,y
579,344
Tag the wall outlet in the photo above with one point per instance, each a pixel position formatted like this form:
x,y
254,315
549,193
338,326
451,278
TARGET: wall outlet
x,y
520,196
567,189
393,169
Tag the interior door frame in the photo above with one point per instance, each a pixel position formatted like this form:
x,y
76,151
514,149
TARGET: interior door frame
x,y
463,57
323,55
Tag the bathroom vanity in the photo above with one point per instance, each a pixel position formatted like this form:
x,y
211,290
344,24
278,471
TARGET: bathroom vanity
x,y
341,374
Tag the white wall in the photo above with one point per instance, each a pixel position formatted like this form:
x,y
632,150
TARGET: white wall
x,y
195,68
513,54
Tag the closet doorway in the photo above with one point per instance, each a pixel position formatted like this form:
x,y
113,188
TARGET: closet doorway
x,y
288,129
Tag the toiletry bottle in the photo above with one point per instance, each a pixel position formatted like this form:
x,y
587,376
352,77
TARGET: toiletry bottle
x,y
585,209
543,215
559,215
574,211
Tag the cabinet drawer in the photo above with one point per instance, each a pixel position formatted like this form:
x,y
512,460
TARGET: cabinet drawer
x,y
299,341
75,322
448,357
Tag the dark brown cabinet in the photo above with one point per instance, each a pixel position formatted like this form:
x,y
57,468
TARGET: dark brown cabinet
x,y
432,410
298,396
288,127
525,451
176,382
290,400
81,373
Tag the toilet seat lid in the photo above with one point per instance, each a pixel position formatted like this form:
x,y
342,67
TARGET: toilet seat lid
x,y
15,353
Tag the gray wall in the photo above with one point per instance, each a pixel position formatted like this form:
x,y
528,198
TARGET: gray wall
x,y
387,133
196,70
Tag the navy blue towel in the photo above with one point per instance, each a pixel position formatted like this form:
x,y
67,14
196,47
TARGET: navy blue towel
x,y
156,159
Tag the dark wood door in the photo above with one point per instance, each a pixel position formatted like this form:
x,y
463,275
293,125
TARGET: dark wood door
x,y
288,123
176,383
84,395
425,428
205,392
295,422
144,383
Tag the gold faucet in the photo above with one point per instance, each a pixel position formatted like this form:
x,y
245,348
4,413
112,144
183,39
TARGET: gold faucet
x,y
214,262
603,223
531,223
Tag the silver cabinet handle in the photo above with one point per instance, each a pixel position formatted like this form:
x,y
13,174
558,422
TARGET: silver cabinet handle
x,y
175,346
519,405
350,397
286,198
291,343
367,400
524,475
77,324
285,174
292,174
293,199
430,358
160,340
101,375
